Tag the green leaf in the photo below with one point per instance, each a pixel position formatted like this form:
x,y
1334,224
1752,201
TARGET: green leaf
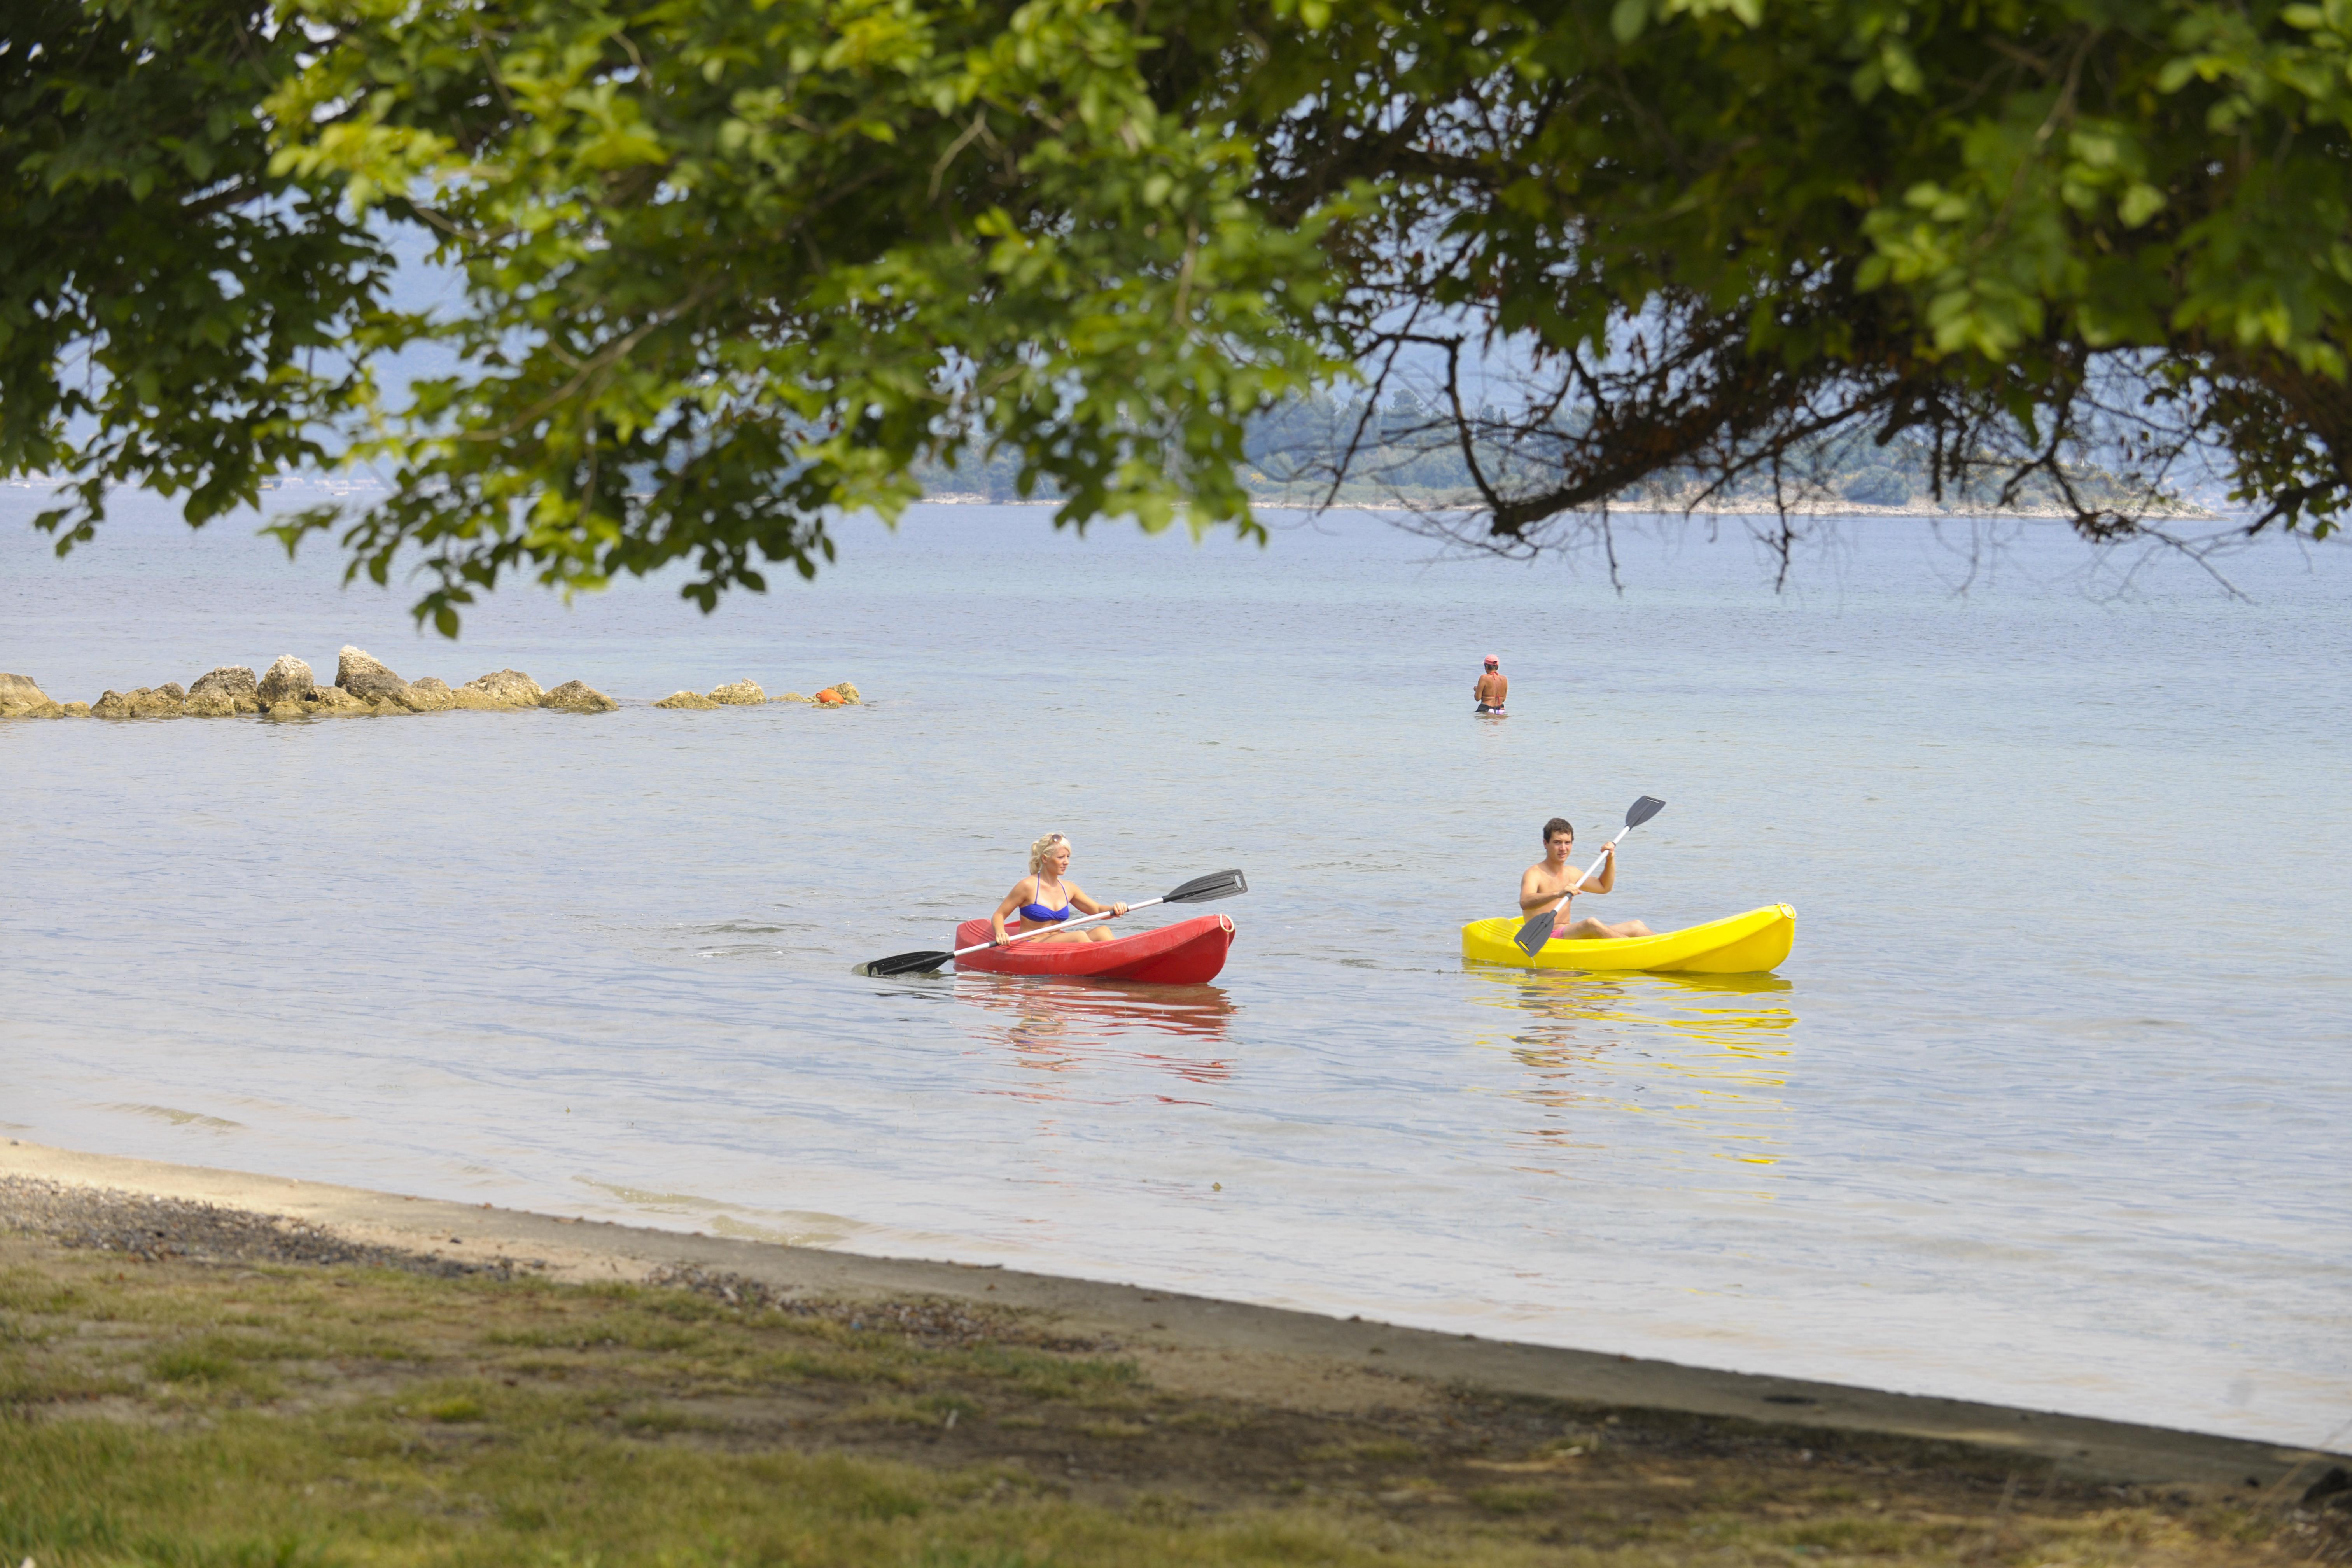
x,y
2141,203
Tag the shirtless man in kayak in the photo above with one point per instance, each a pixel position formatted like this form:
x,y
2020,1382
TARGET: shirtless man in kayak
x,y
1492,686
1549,884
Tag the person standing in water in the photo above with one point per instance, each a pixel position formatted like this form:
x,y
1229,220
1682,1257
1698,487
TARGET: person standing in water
x,y
1551,884
1492,686
1042,898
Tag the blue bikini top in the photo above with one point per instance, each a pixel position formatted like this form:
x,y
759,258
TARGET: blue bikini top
x,y
1038,914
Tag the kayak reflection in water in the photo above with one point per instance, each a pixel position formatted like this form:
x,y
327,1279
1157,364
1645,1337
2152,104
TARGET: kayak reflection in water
x,y
1550,882
1043,897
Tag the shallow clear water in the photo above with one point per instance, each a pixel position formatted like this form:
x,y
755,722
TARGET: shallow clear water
x,y
2048,1107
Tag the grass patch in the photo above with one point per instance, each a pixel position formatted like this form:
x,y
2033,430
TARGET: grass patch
x,y
1369,1451
348,1417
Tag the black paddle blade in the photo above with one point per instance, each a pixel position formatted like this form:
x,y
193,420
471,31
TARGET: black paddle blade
x,y
1641,810
1215,884
1537,932
905,964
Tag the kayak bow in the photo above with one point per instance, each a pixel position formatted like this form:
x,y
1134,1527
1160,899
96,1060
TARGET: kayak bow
x,y
1738,944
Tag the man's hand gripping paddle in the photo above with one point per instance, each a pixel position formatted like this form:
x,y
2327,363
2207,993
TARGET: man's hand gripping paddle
x,y
1538,930
1199,890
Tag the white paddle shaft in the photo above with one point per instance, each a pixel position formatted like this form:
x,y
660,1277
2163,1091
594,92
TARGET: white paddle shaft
x,y
1057,925
1606,850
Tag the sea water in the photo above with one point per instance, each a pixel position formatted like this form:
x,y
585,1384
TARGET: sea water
x,y
2050,1105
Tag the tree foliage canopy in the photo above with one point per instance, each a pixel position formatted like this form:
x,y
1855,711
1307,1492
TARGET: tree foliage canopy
x,y
732,266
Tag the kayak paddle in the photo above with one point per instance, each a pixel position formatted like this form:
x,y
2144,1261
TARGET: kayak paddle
x,y
1199,890
1538,930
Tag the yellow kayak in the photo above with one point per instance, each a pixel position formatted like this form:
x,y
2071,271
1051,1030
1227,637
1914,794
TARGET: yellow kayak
x,y
1740,944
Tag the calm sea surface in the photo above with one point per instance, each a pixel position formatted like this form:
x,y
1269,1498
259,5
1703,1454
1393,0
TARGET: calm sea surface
x,y
2050,1107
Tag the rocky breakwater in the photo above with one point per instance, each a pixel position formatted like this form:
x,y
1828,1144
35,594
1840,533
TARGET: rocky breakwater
x,y
288,689
22,698
748,694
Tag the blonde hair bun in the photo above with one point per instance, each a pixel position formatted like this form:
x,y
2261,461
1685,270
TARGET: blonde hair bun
x,y
1043,846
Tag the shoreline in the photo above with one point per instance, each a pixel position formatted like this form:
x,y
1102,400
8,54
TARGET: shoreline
x,y
1199,1344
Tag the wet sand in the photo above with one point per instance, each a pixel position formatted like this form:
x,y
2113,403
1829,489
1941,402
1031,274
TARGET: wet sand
x,y
1188,1345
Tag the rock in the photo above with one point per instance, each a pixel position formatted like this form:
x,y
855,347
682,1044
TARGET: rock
x,y
332,700
78,709
742,694
141,702
45,710
230,680
211,704
366,676
688,700
508,688
289,676
843,695
578,696
428,683
19,693
286,708
173,689
426,696
466,698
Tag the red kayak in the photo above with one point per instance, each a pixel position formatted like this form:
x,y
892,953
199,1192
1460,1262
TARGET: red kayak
x,y
1189,952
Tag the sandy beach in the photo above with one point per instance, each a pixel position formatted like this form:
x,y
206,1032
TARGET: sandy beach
x,y
247,1368
1186,1343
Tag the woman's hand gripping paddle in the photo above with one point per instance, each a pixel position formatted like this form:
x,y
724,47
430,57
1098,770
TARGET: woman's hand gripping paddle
x,y
1538,930
1199,890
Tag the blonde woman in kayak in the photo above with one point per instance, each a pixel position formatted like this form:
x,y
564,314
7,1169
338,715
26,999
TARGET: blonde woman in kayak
x,y
1550,883
1043,897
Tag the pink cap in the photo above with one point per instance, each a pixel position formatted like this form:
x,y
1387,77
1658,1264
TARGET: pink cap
x,y
1492,659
